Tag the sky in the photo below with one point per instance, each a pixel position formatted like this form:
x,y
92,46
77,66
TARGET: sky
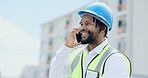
x,y
17,49
30,15
20,30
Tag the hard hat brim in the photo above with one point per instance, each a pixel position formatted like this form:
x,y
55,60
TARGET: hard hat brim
x,y
100,18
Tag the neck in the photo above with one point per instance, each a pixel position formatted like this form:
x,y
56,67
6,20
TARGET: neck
x,y
95,44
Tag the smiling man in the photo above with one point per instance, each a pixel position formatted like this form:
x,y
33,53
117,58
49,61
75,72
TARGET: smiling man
x,y
96,60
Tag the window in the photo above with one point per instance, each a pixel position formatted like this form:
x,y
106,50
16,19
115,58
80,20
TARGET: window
x,y
122,24
50,29
50,44
122,5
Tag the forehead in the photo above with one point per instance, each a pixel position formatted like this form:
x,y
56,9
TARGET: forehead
x,y
87,18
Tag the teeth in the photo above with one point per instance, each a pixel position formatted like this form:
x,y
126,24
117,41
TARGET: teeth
x,y
84,33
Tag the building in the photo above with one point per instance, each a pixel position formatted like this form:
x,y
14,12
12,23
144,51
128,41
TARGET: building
x,y
30,72
53,35
0,75
128,34
137,38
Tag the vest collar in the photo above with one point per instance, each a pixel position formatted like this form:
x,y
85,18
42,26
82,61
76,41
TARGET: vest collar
x,y
99,48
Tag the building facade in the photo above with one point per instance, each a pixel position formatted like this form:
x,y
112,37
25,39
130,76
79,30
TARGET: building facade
x,y
30,72
0,75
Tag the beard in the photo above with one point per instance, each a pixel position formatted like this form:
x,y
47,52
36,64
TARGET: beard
x,y
90,40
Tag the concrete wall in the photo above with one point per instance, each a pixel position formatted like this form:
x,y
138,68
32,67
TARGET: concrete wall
x,y
140,29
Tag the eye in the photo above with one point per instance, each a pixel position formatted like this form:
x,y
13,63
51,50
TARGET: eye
x,y
87,23
81,24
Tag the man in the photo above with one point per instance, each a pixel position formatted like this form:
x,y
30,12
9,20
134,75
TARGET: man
x,y
97,59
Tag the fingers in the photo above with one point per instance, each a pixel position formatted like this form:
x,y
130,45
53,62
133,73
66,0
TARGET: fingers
x,y
71,40
76,30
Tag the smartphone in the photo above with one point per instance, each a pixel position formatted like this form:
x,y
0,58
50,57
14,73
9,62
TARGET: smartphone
x,y
78,36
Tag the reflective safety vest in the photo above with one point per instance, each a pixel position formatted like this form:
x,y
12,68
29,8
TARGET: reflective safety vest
x,y
97,64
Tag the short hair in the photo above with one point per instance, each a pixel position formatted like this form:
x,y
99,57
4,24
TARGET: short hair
x,y
101,26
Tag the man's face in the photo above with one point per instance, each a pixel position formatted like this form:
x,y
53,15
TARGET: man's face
x,y
89,30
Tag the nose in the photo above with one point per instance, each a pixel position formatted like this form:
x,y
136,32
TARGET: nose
x,y
82,28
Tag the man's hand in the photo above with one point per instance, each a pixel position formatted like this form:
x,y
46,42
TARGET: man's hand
x,y
71,40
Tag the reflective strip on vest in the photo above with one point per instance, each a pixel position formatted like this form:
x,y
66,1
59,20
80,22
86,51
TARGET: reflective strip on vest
x,y
100,61
76,64
97,64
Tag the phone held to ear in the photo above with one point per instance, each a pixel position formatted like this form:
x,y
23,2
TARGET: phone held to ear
x,y
78,36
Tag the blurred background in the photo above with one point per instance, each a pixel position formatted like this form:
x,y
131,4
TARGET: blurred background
x,y
32,30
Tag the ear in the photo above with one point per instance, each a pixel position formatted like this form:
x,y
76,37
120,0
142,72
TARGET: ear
x,y
103,31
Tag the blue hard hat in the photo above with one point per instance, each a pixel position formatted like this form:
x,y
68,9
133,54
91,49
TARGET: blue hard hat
x,y
100,11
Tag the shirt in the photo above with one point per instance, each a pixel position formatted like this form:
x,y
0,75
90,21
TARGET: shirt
x,y
116,65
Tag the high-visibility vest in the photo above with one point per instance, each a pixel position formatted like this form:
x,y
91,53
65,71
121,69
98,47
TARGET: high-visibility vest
x,y
97,64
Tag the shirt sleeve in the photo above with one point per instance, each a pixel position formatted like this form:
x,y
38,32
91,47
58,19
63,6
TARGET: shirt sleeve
x,y
116,67
57,67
